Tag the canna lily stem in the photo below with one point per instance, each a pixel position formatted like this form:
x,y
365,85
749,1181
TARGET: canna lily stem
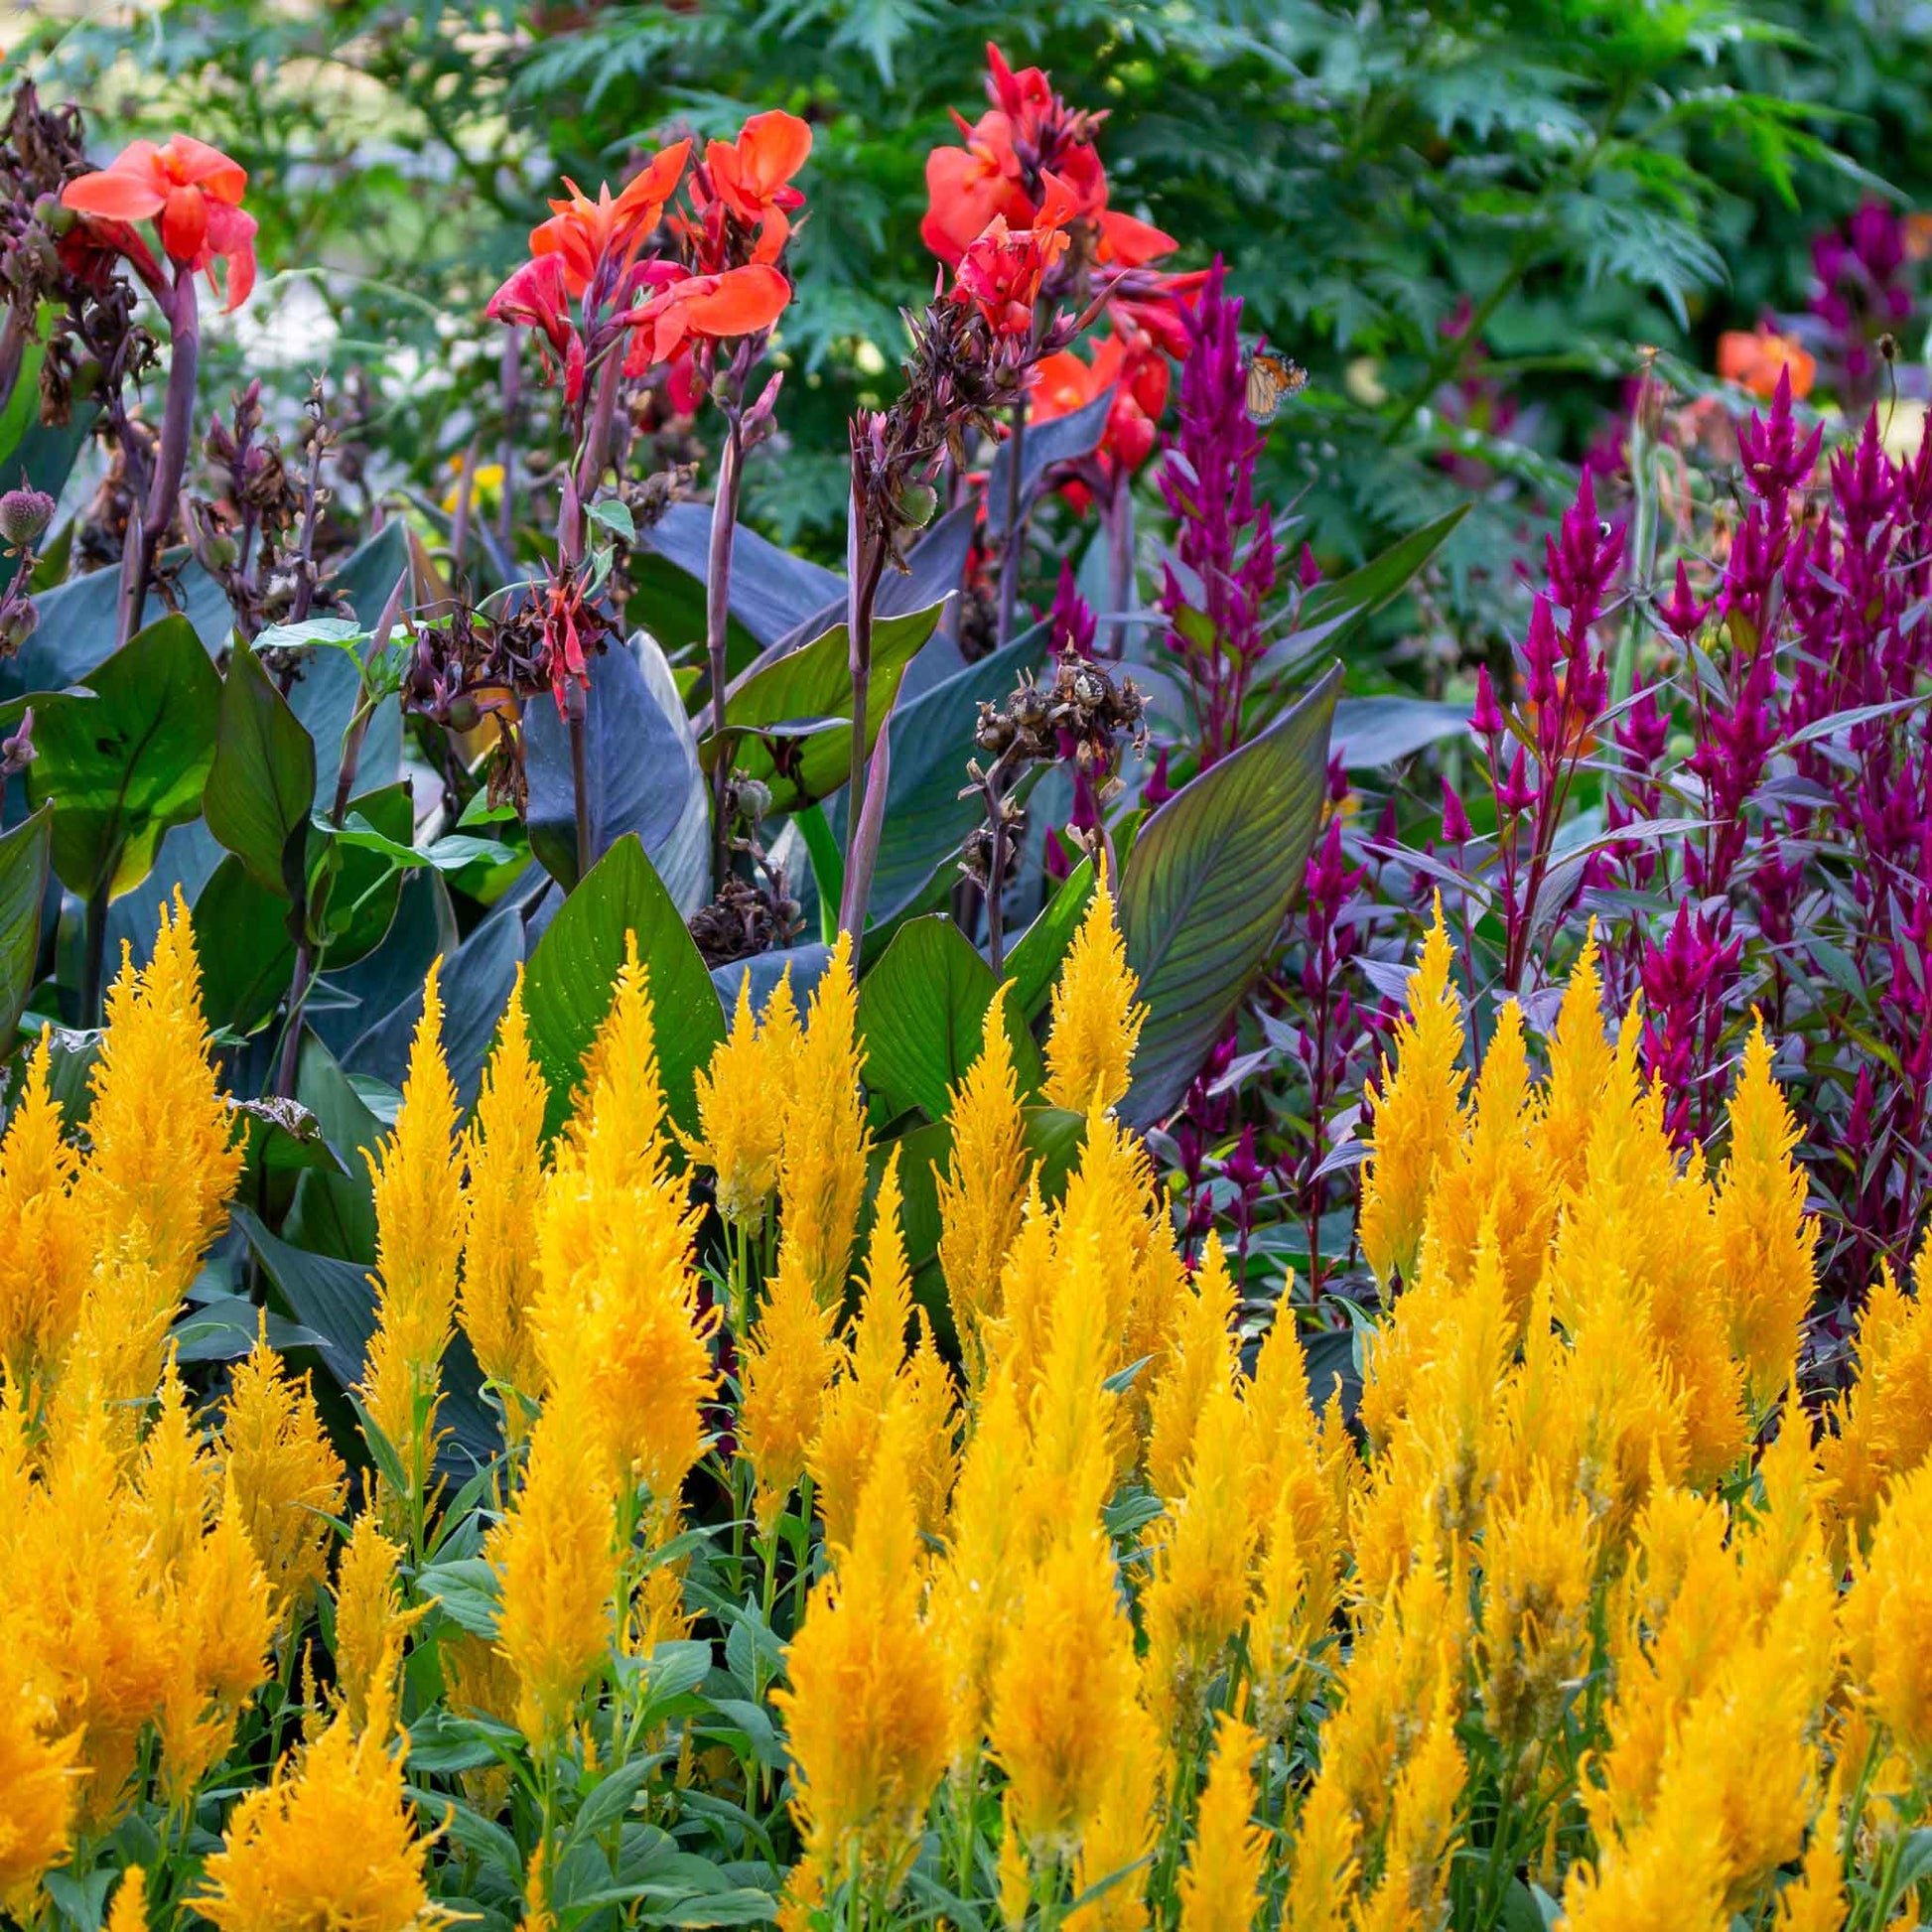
x,y
146,531
1016,538
718,583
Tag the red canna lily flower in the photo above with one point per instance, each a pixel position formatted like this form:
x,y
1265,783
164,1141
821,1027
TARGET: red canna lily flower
x,y
739,301
1001,273
1757,357
591,235
538,296
1139,376
192,192
753,176
967,187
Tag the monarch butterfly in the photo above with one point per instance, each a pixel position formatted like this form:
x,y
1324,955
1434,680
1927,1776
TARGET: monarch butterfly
x,y
1269,379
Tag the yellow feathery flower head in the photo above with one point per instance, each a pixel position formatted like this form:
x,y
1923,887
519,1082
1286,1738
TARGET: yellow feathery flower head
x,y
329,1845
129,1911
1538,1559
37,1775
874,1352
1198,1600
1767,1241
174,1481
1203,1359
1064,1695
866,1707
1889,1614
1096,1019
1220,1885
616,1318
1499,1168
554,1552
741,1111
418,1183
972,1584
46,1251
284,1471
1580,1069
503,1151
166,1148
217,1626
371,1626
982,1193
1668,1874
1816,1900
1883,1425
1421,1828
94,1644
1117,1846
926,1389
1326,1861
822,1166
790,1359
1417,1116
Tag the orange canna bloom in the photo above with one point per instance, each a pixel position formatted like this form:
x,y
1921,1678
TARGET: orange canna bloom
x,y
591,235
192,192
1001,270
739,301
1756,357
752,176
1129,364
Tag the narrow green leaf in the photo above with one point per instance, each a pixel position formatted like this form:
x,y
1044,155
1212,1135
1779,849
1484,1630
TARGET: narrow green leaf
x,y
261,786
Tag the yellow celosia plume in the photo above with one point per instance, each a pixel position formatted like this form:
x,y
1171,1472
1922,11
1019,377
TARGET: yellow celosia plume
x,y
826,1142
1220,1887
1096,1018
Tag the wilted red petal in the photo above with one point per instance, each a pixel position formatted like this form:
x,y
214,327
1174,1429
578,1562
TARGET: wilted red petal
x,y
195,164
118,194
231,236
183,224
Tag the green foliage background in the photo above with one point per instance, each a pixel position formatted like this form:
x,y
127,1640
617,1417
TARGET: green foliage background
x,y
1589,175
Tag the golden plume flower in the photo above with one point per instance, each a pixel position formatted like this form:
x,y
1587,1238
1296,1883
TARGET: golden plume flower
x,y
1197,1599
555,1554
1417,1113
46,1249
166,1148
1220,1885
284,1472
1580,1069
372,1625
503,1149
1769,1273
1668,1874
1065,1702
982,1193
1882,1426
1539,1560
617,1317
742,1099
217,1626
1326,1861
1117,1846
973,1583
129,1911
1201,1359
1816,1900
1412,1893
1096,1018
1887,1615
95,1642
174,1481
331,1843
822,1165
36,1761
788,1363
874,1351
866,1707
418,1182
1498,1168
